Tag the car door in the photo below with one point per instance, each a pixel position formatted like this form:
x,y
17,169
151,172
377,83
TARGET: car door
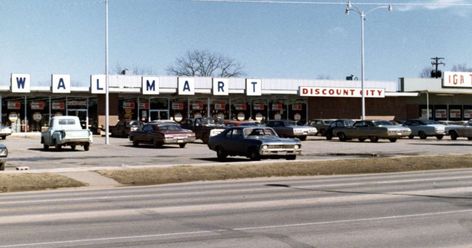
x,y
235,141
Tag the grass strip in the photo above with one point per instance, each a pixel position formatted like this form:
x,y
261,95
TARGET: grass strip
x,y
34,181
151,176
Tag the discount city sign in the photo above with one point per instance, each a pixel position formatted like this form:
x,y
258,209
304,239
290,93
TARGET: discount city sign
x,y
340,92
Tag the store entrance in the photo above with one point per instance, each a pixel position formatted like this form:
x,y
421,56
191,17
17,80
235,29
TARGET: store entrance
x,y
159,114
82,114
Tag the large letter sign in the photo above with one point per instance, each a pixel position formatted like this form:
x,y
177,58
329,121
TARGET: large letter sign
x,y
150,85
20,83
220,86
60,83
186,86
253,87
97,84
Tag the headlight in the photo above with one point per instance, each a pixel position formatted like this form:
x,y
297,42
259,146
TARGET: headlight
x,y
296,146
264,147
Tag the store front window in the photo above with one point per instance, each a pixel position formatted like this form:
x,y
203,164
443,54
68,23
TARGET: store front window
x,y
13,110
297,111
219,109
37,113
278,110
239,109
259,110
178,110
78,106
198,107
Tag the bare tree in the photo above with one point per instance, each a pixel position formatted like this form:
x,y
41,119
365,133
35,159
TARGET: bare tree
x,y
205,64
426,72
461,67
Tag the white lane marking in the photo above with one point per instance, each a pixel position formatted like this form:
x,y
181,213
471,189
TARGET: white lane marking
x,y
11,219
252,228
226,192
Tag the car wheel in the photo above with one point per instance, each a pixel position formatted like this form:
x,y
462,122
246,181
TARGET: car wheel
x,y
156,143
254,155
291,157
2,166
58,147
302,138
182,145
329,136
422,135
454,135
73,147
45,147
221,154
374,139
411,136
87,147
361,139
135,143
342,137
469,138
393,140
439,137
4,137
205,140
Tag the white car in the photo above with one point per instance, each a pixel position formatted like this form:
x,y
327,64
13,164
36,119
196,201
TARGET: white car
x,y
5,131
425,128
66,131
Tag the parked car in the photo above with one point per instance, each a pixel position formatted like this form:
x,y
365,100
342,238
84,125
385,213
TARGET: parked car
x,y
236,123
123,127
337,124
3,156
456,130
425,128
373,130
204,127
291,129
66,131
5,131
253,142
160,134
321,125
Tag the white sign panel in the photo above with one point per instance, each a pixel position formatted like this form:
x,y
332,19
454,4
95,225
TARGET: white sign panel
x,y
452,79
60,83
220,86
186,86
150,85
97,84
20,83
341,92
253,87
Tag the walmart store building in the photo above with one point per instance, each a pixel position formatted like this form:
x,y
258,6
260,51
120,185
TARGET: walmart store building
x,y
27,108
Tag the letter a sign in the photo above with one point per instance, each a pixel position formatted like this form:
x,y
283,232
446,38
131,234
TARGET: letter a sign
x,y
60,83
186,86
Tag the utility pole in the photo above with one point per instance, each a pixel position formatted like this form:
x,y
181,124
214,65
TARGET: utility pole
x,y
435,62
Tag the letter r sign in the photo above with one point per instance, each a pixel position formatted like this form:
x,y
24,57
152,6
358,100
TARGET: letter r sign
x,y
220,86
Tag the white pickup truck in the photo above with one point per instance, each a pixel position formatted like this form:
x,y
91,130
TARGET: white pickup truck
x,y
66,131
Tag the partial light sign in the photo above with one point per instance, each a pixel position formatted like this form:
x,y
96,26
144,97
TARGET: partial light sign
x,y
452,79
341,92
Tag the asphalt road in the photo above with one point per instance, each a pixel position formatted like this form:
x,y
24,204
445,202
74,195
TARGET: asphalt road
x,y
27,151
419,209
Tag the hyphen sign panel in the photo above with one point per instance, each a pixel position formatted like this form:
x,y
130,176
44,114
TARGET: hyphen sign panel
x,y
340,92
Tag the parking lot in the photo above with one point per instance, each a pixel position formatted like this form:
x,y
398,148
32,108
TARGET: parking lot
x,y
27,151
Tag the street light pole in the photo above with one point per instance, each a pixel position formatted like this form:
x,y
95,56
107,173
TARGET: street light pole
x,y
350,7
107,100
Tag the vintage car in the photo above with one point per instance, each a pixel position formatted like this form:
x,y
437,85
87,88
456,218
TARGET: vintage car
x,y
291,129
321,125
254,143
5,131
123,127
425,128
66,131
204,127
160,134
373,130
337,124
456,130
3,156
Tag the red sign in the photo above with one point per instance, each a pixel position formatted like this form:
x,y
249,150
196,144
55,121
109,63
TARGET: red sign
x,y
178,106
129,105
143,105
14,105
197,106
259,106
297,107
57,105
277,106
341,92
240,106
37,105
220,106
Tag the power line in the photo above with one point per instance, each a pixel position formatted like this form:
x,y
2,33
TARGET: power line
x,y
418,4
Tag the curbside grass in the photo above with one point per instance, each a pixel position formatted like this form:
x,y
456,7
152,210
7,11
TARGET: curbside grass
x,y
151,176
35,181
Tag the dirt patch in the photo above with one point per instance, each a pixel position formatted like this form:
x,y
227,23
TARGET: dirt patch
x,y
34,181
177,174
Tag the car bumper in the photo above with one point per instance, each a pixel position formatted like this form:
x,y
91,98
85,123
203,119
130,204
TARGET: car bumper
x,y
179,140
280,152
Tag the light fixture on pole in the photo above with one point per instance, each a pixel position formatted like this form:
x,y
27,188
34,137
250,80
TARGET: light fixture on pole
x,y
107,100
350,7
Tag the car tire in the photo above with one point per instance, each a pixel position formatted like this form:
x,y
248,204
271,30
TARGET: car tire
x,y
342,137
182,145
291,157
254,155
156,143
221,154
439,137
73,147
361,139
46,147
205,139
422,135
454,135
411,136
393,140
4,137
87,147
469,138
329,136
374,139
2,166
302,138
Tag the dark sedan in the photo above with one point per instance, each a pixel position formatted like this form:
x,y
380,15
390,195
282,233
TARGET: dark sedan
x,y
253,142
123,127
160,134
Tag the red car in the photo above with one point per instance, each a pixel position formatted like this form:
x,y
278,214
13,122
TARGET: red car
x,y
159,134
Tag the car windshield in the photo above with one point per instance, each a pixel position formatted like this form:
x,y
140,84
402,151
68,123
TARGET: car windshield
x,y
291,123
428,122
170,128
384,123
259,132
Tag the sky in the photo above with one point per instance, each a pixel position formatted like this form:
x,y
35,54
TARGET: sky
x,y
291,40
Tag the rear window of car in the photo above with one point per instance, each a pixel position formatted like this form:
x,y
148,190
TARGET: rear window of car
x,y
67,122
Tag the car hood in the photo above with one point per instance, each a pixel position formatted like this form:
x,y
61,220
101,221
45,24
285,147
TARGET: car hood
x,y
275,139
